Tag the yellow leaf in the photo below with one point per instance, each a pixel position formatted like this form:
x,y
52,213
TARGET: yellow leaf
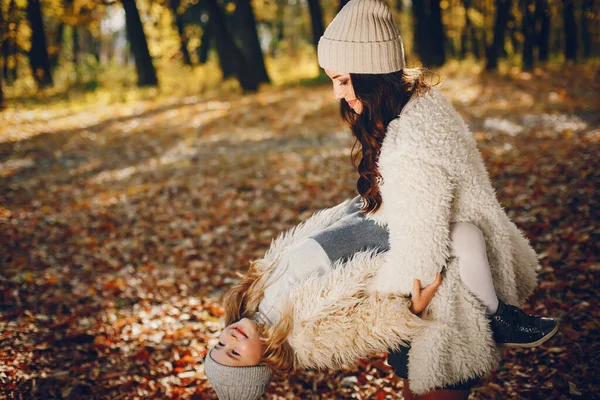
x,y
29,277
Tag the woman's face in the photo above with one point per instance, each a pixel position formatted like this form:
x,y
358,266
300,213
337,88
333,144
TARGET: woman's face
x,y
343,89
239,345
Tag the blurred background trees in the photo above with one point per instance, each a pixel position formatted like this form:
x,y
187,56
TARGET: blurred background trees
x,y
64,44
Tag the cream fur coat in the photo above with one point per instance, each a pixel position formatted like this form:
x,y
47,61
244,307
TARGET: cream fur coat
x,y
432,175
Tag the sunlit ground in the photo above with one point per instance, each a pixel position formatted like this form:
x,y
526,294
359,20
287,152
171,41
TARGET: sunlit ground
x,y
125,214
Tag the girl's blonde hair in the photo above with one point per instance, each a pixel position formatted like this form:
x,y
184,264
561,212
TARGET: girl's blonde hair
x,y
242,301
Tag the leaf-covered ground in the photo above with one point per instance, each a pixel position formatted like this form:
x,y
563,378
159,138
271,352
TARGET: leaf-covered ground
x,y
121,226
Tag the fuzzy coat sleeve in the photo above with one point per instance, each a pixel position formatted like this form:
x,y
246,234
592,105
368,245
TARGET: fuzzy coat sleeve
x,y
336,321
421,195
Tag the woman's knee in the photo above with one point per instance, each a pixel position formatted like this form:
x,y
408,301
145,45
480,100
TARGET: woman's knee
x,y
465,238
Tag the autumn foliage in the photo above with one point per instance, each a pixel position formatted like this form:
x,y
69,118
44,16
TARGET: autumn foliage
x,y
122,225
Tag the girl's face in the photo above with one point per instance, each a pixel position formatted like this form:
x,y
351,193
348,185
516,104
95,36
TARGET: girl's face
x,y
239,345
343,89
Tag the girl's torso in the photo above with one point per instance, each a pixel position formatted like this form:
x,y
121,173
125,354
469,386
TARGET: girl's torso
x,y
339,241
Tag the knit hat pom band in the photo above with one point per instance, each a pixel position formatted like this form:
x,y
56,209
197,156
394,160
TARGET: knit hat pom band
x,y
362,38
361,58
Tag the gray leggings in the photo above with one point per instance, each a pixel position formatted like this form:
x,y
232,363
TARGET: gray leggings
x,y
352,233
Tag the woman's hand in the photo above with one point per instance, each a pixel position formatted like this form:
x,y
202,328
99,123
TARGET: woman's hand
x,y
422,297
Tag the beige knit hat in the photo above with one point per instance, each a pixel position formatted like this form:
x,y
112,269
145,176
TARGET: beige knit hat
x,y
237,383
362,38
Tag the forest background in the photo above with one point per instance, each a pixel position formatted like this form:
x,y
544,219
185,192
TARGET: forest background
x,y
149,149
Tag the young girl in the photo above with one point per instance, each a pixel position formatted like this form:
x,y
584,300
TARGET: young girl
x,y
310,293
315,299
420,172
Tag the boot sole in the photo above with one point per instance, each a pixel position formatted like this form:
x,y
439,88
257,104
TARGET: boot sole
x,y
533,344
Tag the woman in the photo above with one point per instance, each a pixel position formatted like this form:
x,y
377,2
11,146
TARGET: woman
x,y
420,172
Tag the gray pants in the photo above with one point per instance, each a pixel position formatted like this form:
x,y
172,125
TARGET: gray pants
x,y
352,233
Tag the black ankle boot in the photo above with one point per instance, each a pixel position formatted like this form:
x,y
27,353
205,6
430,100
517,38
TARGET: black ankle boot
x,y
513,328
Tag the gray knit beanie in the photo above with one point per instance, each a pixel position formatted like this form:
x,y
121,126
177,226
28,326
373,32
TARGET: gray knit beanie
x,y
362,38
237,383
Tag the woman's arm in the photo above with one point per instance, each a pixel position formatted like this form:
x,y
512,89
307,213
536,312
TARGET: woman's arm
x,y
336,321
417,200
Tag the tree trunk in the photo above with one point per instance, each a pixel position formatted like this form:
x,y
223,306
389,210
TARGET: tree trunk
x,y
56,47
502,14
204,47
9,47
528,29
477,36
75,29
248,80
570,30
183,42
224,49
91,42
542,12
10,59
467,31
277,31
38,54
249,39
316,17
429,33
3,33
399,5
1,96
342,4
139,47
477,40
587,20
513,34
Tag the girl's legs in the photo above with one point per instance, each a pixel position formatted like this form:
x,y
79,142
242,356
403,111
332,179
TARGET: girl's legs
x,y
440,394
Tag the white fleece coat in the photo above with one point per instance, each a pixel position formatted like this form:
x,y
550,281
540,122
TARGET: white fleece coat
x,y
433,175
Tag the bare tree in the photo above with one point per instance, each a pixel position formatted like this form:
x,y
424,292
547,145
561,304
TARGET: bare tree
x,y
570,30
9,45
316,17
587,20
502,15
248,35
542,17
174,5
3,32
246,76
139,46
528,30
342,4
429,32
56,45
38,54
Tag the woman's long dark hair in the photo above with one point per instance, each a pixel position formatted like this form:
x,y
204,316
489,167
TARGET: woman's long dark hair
x,y
383,96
